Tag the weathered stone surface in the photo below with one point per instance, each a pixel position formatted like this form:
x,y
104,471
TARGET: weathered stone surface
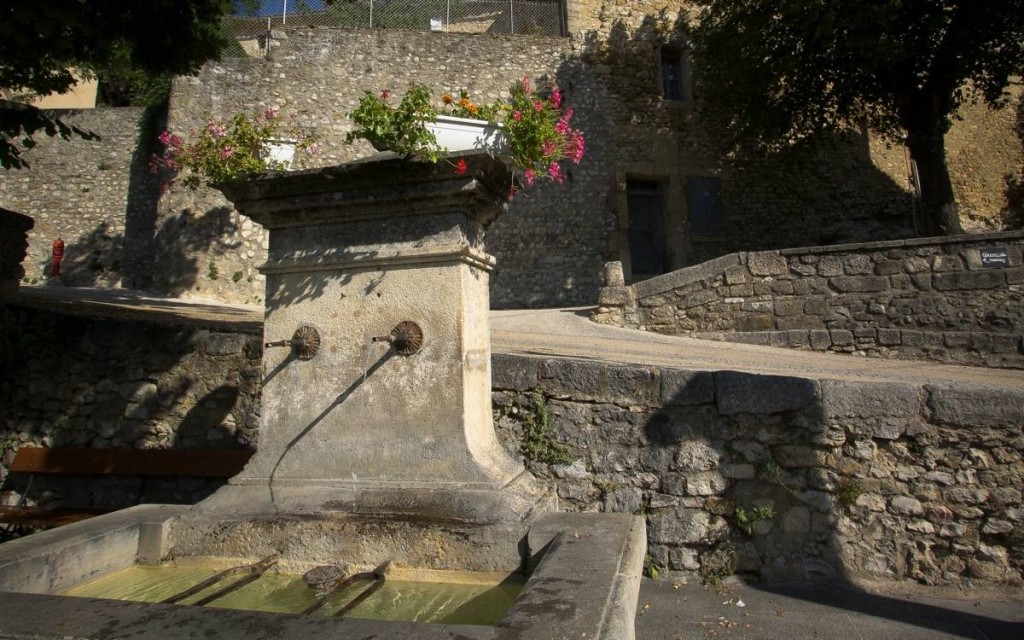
x,y
847,284
686,387
680,526
747,393
972,407
766,264
509,372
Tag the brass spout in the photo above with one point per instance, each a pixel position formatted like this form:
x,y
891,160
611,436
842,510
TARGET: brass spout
x,y
305,342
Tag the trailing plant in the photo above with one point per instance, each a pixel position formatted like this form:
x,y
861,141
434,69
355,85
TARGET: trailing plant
x,y
536,123
746,521
650,567
401,128
227,151
771,470
537,444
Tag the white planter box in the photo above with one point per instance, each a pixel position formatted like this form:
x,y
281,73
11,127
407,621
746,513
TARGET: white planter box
x,y
279,154
463,134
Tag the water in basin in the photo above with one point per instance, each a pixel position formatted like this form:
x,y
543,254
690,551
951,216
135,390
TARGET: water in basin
x,y
449,597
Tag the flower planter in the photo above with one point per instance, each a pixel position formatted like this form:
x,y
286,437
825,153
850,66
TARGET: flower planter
x,y
463,134
279,153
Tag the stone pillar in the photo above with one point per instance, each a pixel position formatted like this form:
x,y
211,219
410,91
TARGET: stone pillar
x,y
14,228
354,251
616,302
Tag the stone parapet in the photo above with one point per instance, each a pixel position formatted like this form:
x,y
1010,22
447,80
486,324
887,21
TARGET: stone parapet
x,y
957,299
784,477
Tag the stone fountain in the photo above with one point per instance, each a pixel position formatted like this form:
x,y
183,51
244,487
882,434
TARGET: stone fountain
x,y
376,437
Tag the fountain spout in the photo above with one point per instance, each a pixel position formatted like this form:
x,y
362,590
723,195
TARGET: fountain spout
x,y
406,338
305,342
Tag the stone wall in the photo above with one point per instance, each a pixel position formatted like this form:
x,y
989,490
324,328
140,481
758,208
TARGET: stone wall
x,y
95,194
785,478
933,298
546,244
69,381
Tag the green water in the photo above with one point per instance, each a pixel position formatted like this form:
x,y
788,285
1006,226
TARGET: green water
x,y
455,602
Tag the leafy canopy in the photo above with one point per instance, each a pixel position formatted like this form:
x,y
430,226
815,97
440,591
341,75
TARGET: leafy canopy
x,y
788,68
41,41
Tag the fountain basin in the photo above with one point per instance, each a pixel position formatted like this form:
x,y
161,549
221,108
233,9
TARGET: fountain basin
x,y
582,577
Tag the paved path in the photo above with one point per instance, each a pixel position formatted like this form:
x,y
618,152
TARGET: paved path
x,y
554,332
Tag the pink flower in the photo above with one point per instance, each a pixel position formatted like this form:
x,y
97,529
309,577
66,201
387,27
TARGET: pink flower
x,y
227,152
574,145
526,84
556,98
313,149
217,130
530,175
385,94
538,105
548,148
517,115
562,127
164,137
511,192
555,172
270,113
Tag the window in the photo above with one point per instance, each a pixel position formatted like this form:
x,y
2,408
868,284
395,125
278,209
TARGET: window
x,y
676,74
705,200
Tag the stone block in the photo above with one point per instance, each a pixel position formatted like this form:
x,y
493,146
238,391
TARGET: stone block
x,y
888,267
782,287
816,306
679,526
901,282
860,284
631,385
514,373
971,280
857,264
737,392
820,339
706,483
681,388
944,263
966,406
798,337
754,322
766,263
956,339
796,456
789,306
741,290
697,299
916,265
906,506
889,337
736,275
911,338
830,266
738,471
1014,275
696,456
616,296
921,281
797,520
842,338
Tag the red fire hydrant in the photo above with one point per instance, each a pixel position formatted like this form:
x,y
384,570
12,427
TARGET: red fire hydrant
x,y
58,255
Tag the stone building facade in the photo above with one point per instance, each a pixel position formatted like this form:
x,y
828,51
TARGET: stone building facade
x,y
657,190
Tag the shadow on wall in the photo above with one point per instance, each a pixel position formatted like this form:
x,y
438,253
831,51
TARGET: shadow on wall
x,y
91,260
70,381
1013,215
143,198
821,190
184,234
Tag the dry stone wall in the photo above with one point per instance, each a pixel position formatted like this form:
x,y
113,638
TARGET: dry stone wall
x,y
958,299
97,195
69,381
785,478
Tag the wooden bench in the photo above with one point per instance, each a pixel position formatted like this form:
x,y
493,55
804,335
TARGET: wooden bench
x,y
200,463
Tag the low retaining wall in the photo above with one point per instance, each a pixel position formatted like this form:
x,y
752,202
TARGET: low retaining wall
x,y
68,381
835,479
957,299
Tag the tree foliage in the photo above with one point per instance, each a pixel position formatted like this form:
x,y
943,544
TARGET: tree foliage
x,y
786,69
42,41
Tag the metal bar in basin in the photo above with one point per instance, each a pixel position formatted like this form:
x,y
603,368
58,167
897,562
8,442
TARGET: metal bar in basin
x,y
377,575
256,570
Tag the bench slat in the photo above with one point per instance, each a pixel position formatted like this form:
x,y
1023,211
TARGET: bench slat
x,y
140,462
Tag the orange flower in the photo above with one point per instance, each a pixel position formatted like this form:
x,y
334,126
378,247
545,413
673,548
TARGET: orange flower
x,y
447,99
472,109
464,103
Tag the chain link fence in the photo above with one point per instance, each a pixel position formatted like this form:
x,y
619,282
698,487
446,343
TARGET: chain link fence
x,y
532,17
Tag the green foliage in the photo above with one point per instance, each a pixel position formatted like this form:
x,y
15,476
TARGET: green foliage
x,y
537,444
650,568
773,472
41,41
747,520
787,69
236,276
718,564
401,128
849,492
212,272
225,152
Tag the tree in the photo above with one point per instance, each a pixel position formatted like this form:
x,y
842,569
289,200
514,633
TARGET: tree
x,y
41,41
786,69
